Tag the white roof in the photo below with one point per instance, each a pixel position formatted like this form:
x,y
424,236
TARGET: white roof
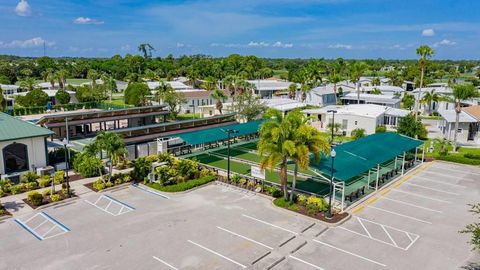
x,y
270,85
373,98
438,89
49,92
397,112
450,116
177,85
283,104
324,89
384,88
9,86
364,110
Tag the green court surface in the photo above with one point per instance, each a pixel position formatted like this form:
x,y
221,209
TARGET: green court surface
x,y
308,185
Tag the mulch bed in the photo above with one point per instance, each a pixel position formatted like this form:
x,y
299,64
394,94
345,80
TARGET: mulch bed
x,y
90,186
4,212
46,199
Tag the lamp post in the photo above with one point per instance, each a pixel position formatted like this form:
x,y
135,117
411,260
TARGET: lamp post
x,y
329,213
229,132
333,121
65,143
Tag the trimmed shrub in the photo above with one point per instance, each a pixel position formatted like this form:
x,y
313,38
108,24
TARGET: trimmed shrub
x,y
35,198
183,186
16,189
5,185
28,177
472,156
2,193
46,192
99,185
250,184
141,168
281,202
242,182
55,197
31,185
44,181
302,200
59,177
380,129
87,165
315,205
235,179
459,159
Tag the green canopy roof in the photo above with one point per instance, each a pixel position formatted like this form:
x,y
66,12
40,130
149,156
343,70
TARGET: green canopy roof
x,y
357,157
218,133
12,128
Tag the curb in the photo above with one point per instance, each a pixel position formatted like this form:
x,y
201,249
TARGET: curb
x,y
57,203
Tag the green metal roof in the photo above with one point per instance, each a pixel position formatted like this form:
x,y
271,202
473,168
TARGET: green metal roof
x,y
13,129
218,133
357,157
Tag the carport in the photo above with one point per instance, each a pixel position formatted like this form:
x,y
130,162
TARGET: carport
x,y
361,166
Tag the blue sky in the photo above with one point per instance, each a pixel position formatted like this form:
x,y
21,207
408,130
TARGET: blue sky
x,y
268,28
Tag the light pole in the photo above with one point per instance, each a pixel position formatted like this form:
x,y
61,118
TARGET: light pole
x,y
329,213
229,132
65,143
333,121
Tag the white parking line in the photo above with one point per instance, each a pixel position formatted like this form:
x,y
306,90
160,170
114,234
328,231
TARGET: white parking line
x,y
244,237
307,263
164,262
350,253
439,182
218,254
460,171
429,188
398,214
411,204
442,174
270,224
385,229
418,195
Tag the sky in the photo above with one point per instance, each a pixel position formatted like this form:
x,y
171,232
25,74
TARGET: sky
x,y
389,29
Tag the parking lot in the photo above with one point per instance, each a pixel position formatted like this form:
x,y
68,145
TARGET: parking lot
x,y
412,224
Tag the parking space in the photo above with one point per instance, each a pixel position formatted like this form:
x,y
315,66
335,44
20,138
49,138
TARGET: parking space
x,y
413,224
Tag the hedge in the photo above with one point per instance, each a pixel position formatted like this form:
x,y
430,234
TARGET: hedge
x,y
459,159
183,186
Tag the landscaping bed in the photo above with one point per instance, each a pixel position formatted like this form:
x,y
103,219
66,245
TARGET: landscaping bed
x,y
35,199
30,181
4,212
184,185
317,208
104,183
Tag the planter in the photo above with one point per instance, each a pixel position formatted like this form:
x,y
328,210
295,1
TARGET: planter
x,y
47,201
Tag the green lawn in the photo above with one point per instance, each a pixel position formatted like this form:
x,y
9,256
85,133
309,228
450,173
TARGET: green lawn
x,y
458,157
188,116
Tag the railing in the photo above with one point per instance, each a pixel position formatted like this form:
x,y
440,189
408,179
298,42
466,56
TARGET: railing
x,y
104,105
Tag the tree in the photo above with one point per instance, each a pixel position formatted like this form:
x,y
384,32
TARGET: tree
x,y
62,97
61,75
3,101
411,127
248,106
34,98
136,94
358,133
162,90
110,84
292,90
376,81
146,49
308,140
335,78
28,84
380,129
219,96
408,101
89,93
276,145
356,71
424,52
113,145
430,97
474,228
174,100
461,92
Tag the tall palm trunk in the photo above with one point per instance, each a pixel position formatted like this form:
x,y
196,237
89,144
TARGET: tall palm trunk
x,y
458,110
417,101
283,177
294,182
357,85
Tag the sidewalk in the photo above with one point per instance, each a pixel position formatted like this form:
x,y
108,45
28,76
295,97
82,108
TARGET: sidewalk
x,y
15,205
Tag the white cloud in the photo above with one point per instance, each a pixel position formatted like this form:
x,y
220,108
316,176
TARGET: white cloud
x,y
126,48
341,46
258,44
444,42
23,8
29,43
279,44
87,20
429,32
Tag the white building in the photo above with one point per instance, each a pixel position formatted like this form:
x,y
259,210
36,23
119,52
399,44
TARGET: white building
x,y
267,88
350,117
383,100
468,124
22,147
9,89
176,85
384,89
51,95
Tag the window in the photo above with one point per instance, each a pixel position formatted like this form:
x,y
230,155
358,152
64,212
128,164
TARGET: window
x,y
356,122
15,158
344,124
460,131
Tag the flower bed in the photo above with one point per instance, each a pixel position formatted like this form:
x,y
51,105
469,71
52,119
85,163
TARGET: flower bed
x,y
103,182
312,206
184,185
30,181
35,199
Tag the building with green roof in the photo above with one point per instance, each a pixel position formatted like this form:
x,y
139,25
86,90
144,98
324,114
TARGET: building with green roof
x,y
23,146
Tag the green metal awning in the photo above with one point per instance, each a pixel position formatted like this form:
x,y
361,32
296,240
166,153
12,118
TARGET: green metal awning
x,y
218,133
357,157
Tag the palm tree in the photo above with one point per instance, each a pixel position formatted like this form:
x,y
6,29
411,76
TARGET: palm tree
x,y
61,76
28,83
335,78
93,76
52,77
146,49
219,96
356,71
276,145
425,53
233,84
162,91
461,92
292,89
305,88
113,144
429,98
110,84
308,140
